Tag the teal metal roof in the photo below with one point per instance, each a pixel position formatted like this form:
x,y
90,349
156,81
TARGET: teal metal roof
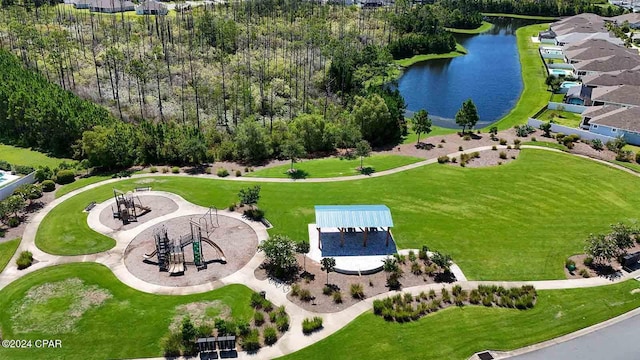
x,y
353,216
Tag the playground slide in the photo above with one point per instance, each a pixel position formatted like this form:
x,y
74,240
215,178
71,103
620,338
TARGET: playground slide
x,y
176,268
215,246
149,256
144,208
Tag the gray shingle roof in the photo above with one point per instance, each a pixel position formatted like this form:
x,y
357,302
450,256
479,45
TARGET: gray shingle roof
x,y
597,48
625,94
622,118
610,63
626,77
111,4
595,111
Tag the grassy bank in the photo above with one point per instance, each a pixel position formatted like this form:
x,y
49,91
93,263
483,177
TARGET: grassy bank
x,y
534,94
460,50
486,26
516,16
7,249
100,332
28,157
448,208
457,333
331,167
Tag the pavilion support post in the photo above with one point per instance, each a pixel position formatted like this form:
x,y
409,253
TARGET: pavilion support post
x,y
319,239
341,236
366,231
388,236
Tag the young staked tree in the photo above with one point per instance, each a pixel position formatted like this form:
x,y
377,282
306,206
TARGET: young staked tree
x,y
303,248
293,149
467,116
421,123
363,149
328,265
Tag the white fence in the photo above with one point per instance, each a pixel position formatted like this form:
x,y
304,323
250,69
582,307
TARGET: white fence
x,y
577,109
584,134
6,191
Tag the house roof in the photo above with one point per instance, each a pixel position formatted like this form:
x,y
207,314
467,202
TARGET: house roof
x,y
624,94
152,5
111,4
581,23
622,118
596,48
581,91
574,37
342,216
625,77
595,111
610,63
632,18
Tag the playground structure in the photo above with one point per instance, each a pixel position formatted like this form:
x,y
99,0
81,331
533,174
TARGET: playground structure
x,y
170,252
128,207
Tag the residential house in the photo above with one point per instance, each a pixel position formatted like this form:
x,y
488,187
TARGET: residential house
x,y
579,28
624,95
593,112
81,4
620,122
111,6
578,95
633,19
152,7
594,49
607,64
625,77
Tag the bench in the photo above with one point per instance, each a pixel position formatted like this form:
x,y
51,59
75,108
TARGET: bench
x,y
148,188
90,206
630,261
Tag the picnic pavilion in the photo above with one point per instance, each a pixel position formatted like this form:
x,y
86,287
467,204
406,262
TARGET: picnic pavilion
x,y
353,219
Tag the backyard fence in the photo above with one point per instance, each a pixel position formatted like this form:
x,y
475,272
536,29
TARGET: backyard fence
x,y
584,134
577,109
6,191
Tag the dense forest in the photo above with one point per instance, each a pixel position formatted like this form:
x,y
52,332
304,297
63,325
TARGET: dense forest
x,y
239,81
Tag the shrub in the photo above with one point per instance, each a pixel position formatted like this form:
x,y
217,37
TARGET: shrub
x,y
153,169
357,291
13,221
460,148
416,268
65,177
273,316
443,141
597,144
559,137
254,214
305,295
251,341
454,160
466,137
432,294
503,155
337,297
172,344
378,306
503,141
440,146
422,253
327,290
494,148
533,138
270,335
584,273
412,256
311,325
508,147
446,297
474,297
443,159
570,264
475,155
295,290
517,142
24,260
43,173
48,186
238,173
243,328
588,261
232,207
282,323
267,305
456,290
175,170
165,170
222,172
624,156
487,300
460,298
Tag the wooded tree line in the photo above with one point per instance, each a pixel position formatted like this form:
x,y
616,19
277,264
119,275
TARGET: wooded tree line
x,y
533,7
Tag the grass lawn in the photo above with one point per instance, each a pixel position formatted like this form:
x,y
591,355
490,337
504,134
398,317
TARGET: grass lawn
x,y
516,16
486,26
412,137
457,333
534,95
129,324
28,157
460,50
559,117
65,189
557,98
331,167
519,221
629,165
7,249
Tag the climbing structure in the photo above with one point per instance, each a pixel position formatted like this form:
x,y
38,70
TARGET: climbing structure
x,y
128,207
163,248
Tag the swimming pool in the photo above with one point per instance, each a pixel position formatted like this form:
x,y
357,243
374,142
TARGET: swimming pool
x,y
6,177
569,84
560,72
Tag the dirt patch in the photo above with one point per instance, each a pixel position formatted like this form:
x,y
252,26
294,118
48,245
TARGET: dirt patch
x,y
236,238
160,206
64,303
200,313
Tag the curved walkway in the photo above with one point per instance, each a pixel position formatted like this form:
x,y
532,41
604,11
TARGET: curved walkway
x,y
293,340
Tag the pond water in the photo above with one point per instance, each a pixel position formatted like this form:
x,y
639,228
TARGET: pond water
x,y
489,74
